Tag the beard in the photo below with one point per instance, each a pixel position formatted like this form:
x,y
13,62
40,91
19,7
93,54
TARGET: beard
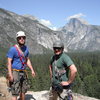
x,y
21,44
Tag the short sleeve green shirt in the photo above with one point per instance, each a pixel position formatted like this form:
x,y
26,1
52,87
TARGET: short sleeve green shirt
x,y
62,63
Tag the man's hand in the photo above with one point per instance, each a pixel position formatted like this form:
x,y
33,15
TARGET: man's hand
x,y
33,73
11,78
64,83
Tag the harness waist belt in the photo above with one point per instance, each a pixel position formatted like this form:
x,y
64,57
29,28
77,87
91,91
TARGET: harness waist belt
x,y
18,70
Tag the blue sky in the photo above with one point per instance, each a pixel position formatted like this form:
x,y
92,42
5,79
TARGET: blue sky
x,y
55,13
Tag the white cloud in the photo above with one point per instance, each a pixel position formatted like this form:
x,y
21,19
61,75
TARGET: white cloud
x,y
48,24
76,16
53,28
45,22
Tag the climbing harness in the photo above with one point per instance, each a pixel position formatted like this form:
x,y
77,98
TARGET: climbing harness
x,y
20,56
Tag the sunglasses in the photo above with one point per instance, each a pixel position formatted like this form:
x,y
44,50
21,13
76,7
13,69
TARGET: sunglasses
x,y
21,37
57,48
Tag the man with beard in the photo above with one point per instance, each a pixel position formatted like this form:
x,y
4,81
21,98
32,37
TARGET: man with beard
x,y
60,65
17,61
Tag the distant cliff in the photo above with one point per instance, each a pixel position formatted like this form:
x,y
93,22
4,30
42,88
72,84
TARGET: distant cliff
x,y
81,36
76,35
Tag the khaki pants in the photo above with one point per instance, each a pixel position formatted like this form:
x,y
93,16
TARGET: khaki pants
x,y
20,83
53,95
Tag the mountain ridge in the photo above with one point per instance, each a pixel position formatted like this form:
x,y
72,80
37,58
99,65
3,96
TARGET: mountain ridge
x,y
76,34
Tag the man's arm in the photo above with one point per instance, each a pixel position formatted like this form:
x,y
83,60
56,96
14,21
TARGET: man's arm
x,y
30,66
9,65
73,71
50,69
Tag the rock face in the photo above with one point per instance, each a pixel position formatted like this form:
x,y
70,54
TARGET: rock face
x,y
30,95
76,35
81,36
39,37
44,95
4,94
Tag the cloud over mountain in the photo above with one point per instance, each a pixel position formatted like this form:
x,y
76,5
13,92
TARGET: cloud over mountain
x,y
76,16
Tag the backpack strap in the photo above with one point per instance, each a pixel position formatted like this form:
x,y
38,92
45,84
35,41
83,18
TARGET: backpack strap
x,y
19,54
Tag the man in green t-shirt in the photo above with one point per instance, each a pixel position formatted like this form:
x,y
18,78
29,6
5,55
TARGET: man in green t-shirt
x,y
60,65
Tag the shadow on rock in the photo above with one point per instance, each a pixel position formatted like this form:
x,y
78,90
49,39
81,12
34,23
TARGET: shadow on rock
x,y
29,97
